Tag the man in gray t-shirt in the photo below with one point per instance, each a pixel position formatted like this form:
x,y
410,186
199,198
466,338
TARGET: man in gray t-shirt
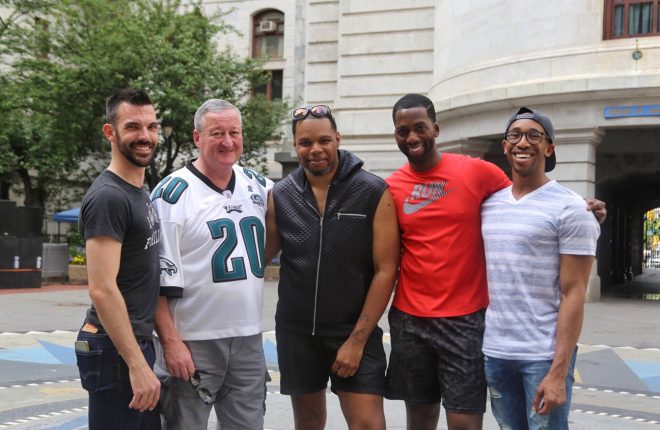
x,y
114,348
540,244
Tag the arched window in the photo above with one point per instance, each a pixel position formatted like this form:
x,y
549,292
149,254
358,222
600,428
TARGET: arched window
x,y
268,34
268,41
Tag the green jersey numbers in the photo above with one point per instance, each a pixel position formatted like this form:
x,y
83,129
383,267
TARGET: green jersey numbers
x,y
251,231
170,189
252,174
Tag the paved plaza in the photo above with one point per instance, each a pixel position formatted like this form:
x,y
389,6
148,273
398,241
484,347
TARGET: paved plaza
x,y
617,372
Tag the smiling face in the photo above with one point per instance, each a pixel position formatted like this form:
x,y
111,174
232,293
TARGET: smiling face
x,y
220,141
415,135
316,144
134,133
527,159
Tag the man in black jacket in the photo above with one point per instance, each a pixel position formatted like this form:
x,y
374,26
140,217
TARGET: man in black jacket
x,y
336,226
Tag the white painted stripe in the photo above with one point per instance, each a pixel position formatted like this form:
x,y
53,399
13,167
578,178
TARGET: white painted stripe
x,y
13,333
627,417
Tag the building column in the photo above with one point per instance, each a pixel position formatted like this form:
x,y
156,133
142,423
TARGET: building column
x,y
576,159
576,169
473,147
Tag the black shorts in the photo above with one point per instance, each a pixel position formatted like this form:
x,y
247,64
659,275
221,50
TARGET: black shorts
x,y
305,364
438,359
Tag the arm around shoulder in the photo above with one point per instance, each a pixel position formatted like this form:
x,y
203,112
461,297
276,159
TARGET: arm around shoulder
x,y
493,176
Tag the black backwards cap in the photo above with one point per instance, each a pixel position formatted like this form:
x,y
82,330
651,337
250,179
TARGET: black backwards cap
x,y
544,121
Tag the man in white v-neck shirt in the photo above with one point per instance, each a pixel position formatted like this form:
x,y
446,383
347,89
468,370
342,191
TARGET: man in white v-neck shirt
x,y
540,244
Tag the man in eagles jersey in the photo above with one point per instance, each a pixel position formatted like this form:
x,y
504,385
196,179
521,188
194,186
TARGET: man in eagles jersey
x,y
212,266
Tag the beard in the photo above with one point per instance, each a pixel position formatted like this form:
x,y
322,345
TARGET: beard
x,y
332,164
320,172
426,155
125,149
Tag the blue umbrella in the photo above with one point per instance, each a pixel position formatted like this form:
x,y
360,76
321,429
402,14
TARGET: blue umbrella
x,y
67,216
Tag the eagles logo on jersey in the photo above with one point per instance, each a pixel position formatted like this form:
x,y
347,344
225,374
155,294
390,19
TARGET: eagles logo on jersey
x,y
167,266
233,208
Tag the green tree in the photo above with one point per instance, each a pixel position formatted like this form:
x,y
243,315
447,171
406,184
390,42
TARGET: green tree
x,y
66,57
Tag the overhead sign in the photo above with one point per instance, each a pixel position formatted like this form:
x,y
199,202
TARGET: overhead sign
x,y
631,111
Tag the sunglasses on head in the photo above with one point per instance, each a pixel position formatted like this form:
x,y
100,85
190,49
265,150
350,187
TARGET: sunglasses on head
x,y
319,111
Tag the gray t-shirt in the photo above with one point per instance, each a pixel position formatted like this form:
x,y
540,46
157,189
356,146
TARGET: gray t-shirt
x,y
112,207
523,240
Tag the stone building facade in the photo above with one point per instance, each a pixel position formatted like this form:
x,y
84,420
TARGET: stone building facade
x,y
592,65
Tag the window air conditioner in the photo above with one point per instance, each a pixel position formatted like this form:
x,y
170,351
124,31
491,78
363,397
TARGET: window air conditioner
x,y
267,26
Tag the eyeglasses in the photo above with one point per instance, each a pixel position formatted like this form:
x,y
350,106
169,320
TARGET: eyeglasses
x,y
203,393
533,137
319,111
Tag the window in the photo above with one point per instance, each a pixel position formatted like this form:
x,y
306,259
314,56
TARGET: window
x,y
268,34
271,90
268,41
631,18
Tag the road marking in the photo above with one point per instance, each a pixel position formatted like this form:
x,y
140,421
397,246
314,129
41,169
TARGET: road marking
x,y
626,417
62,381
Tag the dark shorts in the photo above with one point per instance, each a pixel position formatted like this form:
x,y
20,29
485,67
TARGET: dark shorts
x,y
305,364
438,359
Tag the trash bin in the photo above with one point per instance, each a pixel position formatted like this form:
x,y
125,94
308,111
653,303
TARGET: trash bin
x,y
55,261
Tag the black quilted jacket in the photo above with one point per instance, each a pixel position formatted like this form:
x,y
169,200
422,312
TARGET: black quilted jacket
x,y
326,263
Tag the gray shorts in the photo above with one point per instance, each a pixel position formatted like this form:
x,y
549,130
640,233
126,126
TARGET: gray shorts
x,y
231,378
438,359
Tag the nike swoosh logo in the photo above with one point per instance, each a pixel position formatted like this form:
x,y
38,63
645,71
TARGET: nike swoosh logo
x,y
410,208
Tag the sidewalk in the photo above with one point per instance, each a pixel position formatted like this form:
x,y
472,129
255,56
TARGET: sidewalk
x,y
618,370
613,321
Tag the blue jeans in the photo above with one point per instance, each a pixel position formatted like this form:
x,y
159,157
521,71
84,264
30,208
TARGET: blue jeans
x,y
512,385
104,374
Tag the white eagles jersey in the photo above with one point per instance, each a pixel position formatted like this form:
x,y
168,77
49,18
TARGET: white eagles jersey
x,y
212,255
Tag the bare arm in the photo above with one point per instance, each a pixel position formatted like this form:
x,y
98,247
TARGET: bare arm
x,y
574,273
103,257
177,355
273,244
386,261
